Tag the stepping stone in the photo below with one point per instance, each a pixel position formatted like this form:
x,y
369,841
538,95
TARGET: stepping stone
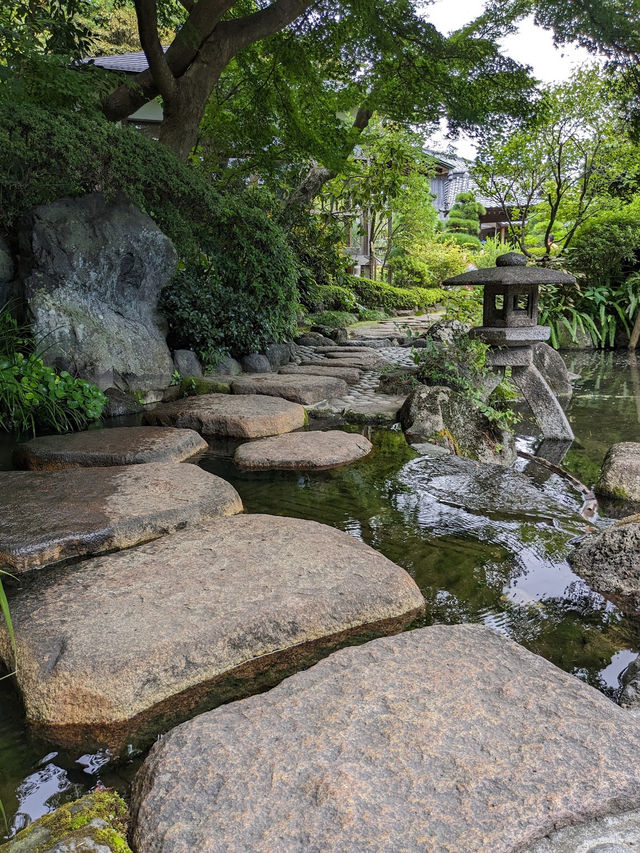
x,y
103,447
362,361
236,416
301,388
350,375
49,516
115,651
351,350
449,738
305,451
375,409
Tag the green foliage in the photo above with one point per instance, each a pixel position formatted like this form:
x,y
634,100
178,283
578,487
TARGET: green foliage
x,y
377,294
463,304
463,221
606,249
370,315
333,319
336,298
6,615
33,397
461,365
491,249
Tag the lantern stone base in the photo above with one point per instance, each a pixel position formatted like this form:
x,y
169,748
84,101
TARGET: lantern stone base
x,y
511,337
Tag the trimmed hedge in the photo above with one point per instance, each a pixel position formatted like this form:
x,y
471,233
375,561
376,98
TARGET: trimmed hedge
x,y
377,294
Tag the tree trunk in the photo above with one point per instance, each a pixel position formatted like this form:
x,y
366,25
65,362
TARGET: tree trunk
x,y
635,333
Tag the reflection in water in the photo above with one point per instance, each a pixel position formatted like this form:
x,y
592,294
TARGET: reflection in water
x,y
484,545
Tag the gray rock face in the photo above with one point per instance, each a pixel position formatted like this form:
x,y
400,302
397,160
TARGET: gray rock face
x,y
97,270
299,388
446,331
101,448
313,339
619,833
255,362
7,270
620,473
229,367
93,510
308,451
196,617
552,367
582,342
233,415
439,414
187,363
277,355
611,560
120,403
380,747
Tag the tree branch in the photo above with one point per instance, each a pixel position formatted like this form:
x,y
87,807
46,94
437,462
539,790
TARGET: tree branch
x,y
147,14
242,32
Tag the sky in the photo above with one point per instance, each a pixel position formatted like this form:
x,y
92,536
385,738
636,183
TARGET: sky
x,y
531,45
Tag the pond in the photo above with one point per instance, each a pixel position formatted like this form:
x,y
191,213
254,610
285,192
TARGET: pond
x,y
482,548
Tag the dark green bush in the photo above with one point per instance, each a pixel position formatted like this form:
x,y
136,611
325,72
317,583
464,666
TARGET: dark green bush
x,y
336,298
377,294
606,249
334,319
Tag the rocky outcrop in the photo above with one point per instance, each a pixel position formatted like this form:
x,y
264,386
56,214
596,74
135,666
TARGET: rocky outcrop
x,y
96,272
277,355
447,331
93,510
97,823
610,561
299,388
303,451
187,362
440,415
620,472
448,739
118,446
553,369
115,649
232,415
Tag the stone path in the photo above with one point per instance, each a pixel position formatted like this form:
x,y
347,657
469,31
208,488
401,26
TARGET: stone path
x,y
233,415
118,446
114,649
448,739
351,375
299,388
306,451
49,516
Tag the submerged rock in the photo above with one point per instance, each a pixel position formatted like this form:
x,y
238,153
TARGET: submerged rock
x,y
383,747
610,561
105,447
306,451
620,472
116,648
49,516
97,269
233,415
439,414
96,823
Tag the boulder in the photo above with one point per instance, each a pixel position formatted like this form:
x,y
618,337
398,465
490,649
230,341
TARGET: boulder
x,y
582,340
448,738
553,369
313,339
620,472
114,650
120,404
187,363
338,335
96,272
350,375
440,415
228,367
104,447
446,331
249,416
7,270
96,823
93,510
255,362
299,388
306,451
277,355
610,561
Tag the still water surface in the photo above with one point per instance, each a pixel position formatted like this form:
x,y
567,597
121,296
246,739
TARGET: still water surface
x,y
482,548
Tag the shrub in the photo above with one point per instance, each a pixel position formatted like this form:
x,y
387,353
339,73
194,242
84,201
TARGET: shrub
x,y
377,294
34,397
336,298
427,264
334,319
463,222
606,249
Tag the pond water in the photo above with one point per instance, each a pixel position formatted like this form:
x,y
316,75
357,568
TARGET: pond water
x,y
482,548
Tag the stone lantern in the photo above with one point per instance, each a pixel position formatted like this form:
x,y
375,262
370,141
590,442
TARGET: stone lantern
x,y
510,327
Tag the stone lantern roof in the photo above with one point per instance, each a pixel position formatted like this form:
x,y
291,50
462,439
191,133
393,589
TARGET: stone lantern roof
x,y
511,269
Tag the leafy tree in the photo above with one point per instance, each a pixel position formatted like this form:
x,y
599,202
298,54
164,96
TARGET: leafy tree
x,y
463,220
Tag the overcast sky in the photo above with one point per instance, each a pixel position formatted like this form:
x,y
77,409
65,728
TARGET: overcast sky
x,y
531,45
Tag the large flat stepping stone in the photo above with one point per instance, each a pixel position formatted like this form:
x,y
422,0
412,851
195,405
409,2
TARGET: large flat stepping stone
x,y
236,416
49,516
451,739
350,375
103,447
117,650
303,388
305,451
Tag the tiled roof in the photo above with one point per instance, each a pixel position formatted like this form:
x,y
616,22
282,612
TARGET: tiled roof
x,y
130,63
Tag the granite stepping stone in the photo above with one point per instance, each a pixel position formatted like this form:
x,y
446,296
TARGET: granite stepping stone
x,y
299,388
236,416
450,738
350,375
49,516
305,451
117,649
102,447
